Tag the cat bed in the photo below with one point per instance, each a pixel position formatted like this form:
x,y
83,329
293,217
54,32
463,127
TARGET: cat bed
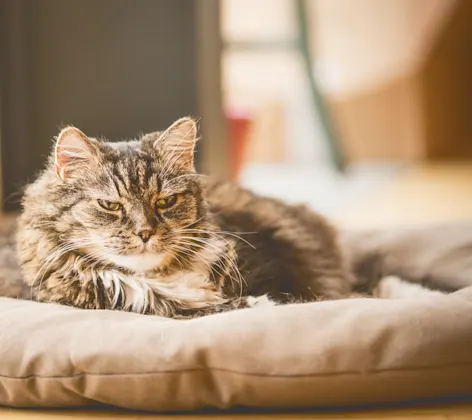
x,y
338,353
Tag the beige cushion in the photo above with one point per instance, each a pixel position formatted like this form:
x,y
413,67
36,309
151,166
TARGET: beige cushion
x,y
338,353
438,255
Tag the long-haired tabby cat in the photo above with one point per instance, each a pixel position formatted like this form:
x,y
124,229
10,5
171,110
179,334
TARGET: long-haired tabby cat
x,y
131,226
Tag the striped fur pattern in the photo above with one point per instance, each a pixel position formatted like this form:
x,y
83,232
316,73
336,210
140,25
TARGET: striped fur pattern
x,y
131,226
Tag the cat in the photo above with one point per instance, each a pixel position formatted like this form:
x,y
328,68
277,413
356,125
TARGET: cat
x,y
131,226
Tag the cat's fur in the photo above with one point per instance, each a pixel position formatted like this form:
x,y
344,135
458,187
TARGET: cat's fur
x,y
215,247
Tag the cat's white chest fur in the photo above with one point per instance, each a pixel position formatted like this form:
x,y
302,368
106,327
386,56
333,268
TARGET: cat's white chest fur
x,y
139,263
190,290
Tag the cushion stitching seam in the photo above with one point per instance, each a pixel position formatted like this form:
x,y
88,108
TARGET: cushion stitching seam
x,y
222,370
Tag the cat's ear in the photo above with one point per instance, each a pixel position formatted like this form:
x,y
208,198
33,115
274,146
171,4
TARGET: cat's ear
x,y
73,150
177,143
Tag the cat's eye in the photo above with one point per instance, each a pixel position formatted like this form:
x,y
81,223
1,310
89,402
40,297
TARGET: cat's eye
x,y
166,202
109,205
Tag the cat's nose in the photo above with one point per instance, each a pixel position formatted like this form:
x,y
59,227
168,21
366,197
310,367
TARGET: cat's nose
x,y
145,235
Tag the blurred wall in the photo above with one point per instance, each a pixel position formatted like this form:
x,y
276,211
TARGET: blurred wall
x,y
384,66
447,90
362,44
114,68
372,61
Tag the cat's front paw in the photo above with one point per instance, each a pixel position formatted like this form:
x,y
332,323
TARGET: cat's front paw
x,y
393,287
259,301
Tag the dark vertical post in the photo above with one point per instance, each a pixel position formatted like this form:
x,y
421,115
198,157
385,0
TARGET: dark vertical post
x,y
14,98
209,45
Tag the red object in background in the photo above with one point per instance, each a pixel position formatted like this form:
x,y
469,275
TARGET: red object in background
x,y
239,125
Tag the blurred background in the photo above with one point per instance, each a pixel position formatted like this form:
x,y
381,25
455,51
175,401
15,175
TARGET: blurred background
x,y
361,109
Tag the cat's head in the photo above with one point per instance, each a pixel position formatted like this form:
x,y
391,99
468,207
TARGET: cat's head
x,y
134,204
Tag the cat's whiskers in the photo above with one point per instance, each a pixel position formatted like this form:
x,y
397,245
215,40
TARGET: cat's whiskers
x,y
231,261
192,255
218,252
232,234
172,252
183,252
190,224
171,234
239,278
